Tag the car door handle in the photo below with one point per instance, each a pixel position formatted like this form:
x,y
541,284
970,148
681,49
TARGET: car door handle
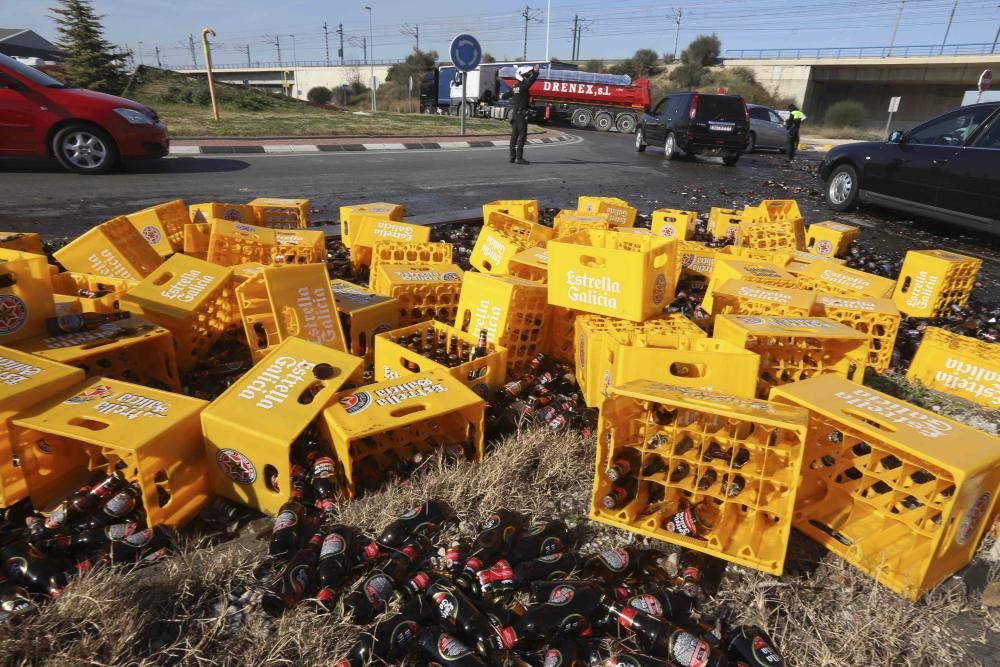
x,y
939,162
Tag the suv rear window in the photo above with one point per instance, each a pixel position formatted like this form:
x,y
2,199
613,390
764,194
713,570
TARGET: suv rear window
x,y
719,107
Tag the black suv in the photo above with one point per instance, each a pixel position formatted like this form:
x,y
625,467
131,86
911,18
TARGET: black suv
x,y
946,169
693,123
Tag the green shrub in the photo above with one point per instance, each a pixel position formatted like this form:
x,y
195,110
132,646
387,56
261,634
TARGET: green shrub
x,y
320,95
845,113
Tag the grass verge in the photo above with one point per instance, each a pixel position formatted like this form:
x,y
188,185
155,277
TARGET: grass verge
x,y
836,132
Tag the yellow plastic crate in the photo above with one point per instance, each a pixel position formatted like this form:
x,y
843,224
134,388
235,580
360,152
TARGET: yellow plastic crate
x,y
369,230
675,428
793,349
66,305
796,261
25,295
232,243
673,223
483,375
627,273
24,381
350,215
612,209
363,314
877,318
132,350
725,223
826,277
525,209
245,271
162,226
250,428
422,292
278,213
742,297
22,242
899,492
153,436
285,301
958,365
502,237
773,210
693,362
78,285
196,238
771,237
525,232
695,260
374,427
830,239
530,264
192,298
114,248
932,281
209,211
754,271
406,252
514,312
562,325
568,222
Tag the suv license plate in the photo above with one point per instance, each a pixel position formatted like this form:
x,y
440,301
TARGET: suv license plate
x,y
721,127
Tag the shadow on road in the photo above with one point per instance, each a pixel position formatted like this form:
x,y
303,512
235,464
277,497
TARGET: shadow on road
x,y
177,165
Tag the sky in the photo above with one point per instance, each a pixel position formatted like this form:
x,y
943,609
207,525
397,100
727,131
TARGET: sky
x,y
610,29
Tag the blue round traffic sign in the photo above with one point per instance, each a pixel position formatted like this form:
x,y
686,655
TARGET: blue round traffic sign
x,y
465,52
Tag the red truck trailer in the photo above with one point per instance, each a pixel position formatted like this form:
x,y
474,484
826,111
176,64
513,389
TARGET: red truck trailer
x,y
586,99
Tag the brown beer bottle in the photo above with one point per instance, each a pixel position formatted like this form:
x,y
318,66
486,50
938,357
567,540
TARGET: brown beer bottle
x,y
336,559
299,575
491,545
74,322
555,566
424,519
621,494
15,604
391,639
543,540
568,612
625,463
664,640
287,524
84,503
443,648
32,569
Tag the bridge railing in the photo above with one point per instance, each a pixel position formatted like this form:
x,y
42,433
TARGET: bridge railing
x,y
832,53
291,65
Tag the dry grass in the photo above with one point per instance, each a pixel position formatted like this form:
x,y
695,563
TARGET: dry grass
x,y
834,132
822,613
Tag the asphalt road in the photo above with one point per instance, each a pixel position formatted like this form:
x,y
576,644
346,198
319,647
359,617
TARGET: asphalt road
x,y
38,196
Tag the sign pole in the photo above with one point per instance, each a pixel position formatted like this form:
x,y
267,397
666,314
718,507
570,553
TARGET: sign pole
x,y
887,124
461,109
465,54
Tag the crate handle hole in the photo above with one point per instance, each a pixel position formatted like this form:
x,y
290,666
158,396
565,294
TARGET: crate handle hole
x,y
261,332
90,424
163,278
487,265
408,410
683,369
466,319
411,366
906,285
271,478
592,262
309,393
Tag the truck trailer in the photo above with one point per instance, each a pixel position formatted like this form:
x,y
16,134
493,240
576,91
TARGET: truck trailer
x,y
441,88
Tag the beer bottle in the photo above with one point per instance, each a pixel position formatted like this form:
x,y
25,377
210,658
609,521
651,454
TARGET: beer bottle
x,y
74,322
543,540
621,494
733,488
324,480
459,613
287,524
424,519
93,538
496,580
375,590
442,648
714,451
683,445
117,508
392,638
84,503
15,605
481,346
623,659
672,605
679,472
541,590
697,521
749,644
566,613
491,545
298,576
554,566
692,563
625,463
336,558
32,569
125,545
618,564
707,479
660,638
454,558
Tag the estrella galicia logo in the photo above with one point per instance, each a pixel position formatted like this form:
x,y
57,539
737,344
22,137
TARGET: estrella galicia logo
x,y
659,288
236,466
451,277
95,393
152,234
13,314
246,229
233,215
355,403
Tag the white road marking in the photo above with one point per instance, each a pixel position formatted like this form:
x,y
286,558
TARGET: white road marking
x,y
384,147
185,150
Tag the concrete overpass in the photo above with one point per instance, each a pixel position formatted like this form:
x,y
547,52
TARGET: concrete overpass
x,y
930,79
296,79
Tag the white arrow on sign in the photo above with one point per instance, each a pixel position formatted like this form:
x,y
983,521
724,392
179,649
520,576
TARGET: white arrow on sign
x,y
472,52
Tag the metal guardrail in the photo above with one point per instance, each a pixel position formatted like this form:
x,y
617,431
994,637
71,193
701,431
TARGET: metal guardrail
x,y
832,53
288,65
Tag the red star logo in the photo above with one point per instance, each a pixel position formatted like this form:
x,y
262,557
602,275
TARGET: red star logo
x,y
13,313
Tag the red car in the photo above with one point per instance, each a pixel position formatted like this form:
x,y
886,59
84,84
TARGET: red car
x,y
87,132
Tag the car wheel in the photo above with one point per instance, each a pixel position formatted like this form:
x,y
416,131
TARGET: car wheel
x,y
85,149
669,147
640,144
603,121
581,117
730,160
626,123
752,143
842,188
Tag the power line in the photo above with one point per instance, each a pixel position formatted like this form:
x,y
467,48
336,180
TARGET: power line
x,y
276,42
413,31
678,13
528,17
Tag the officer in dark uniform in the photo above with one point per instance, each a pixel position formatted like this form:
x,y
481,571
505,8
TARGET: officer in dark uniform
x,y
519,112
793,124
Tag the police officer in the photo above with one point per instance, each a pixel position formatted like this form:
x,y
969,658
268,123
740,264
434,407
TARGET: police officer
x,y
792,124
518,95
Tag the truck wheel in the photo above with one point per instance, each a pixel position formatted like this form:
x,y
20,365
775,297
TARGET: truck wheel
x,y
670,147
603,121
581,117
626,123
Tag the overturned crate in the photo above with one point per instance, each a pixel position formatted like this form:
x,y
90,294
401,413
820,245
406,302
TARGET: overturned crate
x,y
406,252
351,216
614,210
899,492
742,297
368,231
162,226
754,271
208,211
708,471
958,365
673,223
525,209
931,282
502,237
836,279
877,318
95,294
233,243
278,213
114,248
422,292
530,264
363,314
25,295
830,239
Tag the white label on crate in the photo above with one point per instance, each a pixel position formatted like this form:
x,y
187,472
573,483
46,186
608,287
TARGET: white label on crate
x,y
352,293
616,215
697,263
132,406
286,238
389,230
842,302
71,339
592,290
922,290
405,391
970,379
703,394
765,294
104,263
790,322
188,286
426,276
318,314
14,372
487,316
762,272
970,522
895,412
389,374
493,249
848,281
273,385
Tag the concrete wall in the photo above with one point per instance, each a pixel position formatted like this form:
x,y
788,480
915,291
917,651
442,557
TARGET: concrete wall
x,y
781,78
301,79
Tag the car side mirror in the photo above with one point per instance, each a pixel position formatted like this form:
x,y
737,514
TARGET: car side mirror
x,y
7,81
896,137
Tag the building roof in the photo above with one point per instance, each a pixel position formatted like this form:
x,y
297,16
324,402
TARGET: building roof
x,y
24,42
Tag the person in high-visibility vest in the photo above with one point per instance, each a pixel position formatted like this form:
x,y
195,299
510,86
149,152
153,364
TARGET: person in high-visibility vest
x,y
792,124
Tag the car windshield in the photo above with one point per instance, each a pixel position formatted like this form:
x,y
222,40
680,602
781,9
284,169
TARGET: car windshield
x,y
719,107
30,73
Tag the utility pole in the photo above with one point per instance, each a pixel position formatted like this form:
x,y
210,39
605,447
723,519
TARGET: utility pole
x,y
412,31
576,23
579,38
159,63
141,61
528,16
326,38
548,28
677,33
948,29
276,41
295,53
340,31
194,57
247,49
995,40
899,16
